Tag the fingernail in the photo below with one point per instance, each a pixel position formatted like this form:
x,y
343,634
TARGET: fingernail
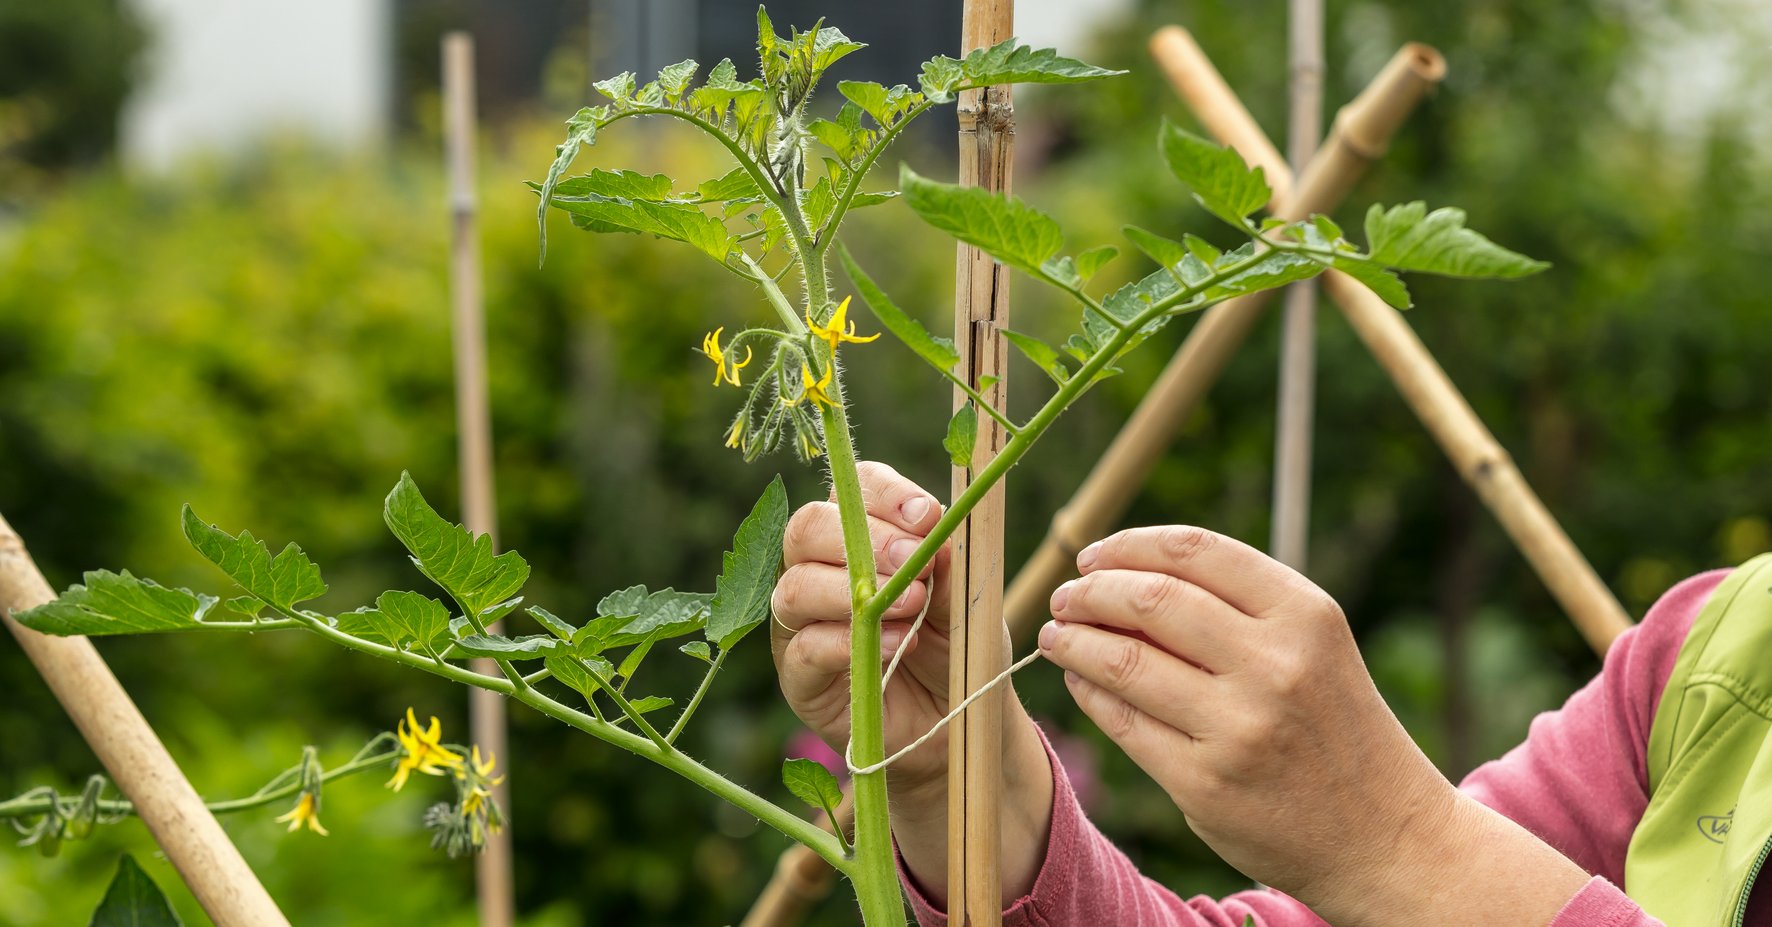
x,y
903,597
1062,595
1071,678
914,509
899,551
890,638
1049,634
1086,556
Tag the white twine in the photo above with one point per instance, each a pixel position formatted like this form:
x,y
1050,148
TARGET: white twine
x,y
898,654
848,759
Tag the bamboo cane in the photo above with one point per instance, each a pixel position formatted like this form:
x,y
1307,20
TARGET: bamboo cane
x,y
1360,134
1206,94
1480,459
1298,334
979,648
486,710
137,761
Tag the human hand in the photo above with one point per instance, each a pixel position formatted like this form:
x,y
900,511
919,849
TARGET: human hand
x,y
1236,684
810,636
810,639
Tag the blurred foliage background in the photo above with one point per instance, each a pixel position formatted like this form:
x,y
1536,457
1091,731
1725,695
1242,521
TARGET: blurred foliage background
x,y
266,338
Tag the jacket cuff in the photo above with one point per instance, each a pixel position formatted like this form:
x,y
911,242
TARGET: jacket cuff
x,y
1601,904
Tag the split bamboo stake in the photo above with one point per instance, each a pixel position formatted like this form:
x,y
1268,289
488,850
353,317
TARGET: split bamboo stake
x,y
1479,458
1360,135
486,709
979,645
1298,333
137,761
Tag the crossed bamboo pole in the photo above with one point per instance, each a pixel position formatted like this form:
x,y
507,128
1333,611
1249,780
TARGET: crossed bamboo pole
x,y
137,761
1361,133
1431,395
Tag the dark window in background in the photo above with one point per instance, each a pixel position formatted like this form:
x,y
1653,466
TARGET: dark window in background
x,y
901,34
516,38
513,40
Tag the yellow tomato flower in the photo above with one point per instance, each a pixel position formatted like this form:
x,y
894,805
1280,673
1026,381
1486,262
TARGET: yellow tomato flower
x,y
736,437
834,332
425,752
480,788
710,346
306,811
815,389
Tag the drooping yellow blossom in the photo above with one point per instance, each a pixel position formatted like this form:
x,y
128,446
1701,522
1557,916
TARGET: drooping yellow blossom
x,y
425,752
723,371
834,332
815,389
807,448
306,811
481,782
736,437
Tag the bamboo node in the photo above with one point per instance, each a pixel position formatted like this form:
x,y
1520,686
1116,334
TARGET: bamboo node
x,y
1492,462
990,111
1347,133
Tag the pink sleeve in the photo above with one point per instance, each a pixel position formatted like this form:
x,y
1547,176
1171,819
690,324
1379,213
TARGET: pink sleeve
x,y
1087,882
1579,781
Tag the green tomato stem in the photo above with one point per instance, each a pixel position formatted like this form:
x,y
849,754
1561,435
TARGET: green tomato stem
x,y
30,807
792,825
777,299
789,823
827,234
627,707
1018,446
874,874
707,682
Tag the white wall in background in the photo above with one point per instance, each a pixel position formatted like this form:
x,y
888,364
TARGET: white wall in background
x,y
1064,24
223,74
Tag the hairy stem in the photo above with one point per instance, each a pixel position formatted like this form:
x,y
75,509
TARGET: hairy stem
x,y
27,806
789,823
827,234
751,168
983,403
795,827
772,292
875,875
701,691
627,707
